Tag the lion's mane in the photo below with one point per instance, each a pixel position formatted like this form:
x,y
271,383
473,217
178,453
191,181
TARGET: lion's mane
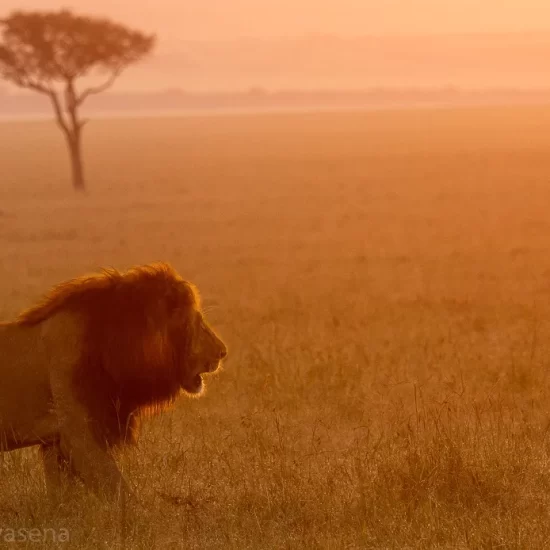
x,y
130,361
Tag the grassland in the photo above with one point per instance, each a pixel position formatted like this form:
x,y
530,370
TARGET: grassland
x,y
383,283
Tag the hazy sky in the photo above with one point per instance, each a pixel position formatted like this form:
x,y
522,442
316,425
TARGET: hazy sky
x,y
226,19
188,55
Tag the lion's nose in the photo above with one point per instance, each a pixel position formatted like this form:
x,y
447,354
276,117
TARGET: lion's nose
x,y
223,353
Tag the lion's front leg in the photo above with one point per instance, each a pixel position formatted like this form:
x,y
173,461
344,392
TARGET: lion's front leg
x,y
57,468
90,461
78,445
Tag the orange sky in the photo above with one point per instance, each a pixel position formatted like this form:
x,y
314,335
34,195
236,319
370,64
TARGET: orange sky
x,y
226,19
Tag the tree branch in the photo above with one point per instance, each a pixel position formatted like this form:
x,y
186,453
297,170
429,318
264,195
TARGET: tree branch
x,y
37,86
98,89
23,81
71,106
59,112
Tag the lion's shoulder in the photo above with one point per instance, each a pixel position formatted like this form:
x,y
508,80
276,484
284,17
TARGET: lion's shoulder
x,y
55,341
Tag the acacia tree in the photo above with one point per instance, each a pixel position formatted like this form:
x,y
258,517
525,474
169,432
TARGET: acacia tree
x,y
49,51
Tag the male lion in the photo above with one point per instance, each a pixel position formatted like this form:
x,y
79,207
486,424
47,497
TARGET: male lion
x,y
78,368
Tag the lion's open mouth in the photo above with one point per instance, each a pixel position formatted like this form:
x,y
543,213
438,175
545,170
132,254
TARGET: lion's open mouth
x,y
194,384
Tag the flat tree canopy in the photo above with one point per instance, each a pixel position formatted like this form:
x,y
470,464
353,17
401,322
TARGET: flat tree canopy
x,y
48,51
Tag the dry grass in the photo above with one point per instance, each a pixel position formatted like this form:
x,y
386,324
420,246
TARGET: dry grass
x,y
383,282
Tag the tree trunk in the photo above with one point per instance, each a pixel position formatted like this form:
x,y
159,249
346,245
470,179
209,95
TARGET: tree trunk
x,y
77,169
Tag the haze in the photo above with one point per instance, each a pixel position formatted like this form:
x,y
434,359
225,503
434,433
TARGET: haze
x,y
219,45
220,19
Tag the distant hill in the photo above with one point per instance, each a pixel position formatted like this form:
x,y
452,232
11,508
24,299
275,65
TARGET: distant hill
x,y
257,99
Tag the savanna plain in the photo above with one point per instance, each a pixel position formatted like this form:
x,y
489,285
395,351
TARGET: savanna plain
x,y
382,281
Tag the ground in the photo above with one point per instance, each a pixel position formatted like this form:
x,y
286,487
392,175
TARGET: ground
x,y
382,281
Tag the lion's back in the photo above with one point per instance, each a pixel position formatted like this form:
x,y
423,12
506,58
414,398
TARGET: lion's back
x,y
21,356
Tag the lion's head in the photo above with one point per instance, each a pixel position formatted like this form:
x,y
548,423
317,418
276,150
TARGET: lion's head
x,y
144,340
193,340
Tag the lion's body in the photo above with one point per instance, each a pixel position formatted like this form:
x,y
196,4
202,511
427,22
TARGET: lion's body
x,y
79,368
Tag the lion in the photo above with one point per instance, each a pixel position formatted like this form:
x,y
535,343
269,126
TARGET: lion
x,y
81,367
